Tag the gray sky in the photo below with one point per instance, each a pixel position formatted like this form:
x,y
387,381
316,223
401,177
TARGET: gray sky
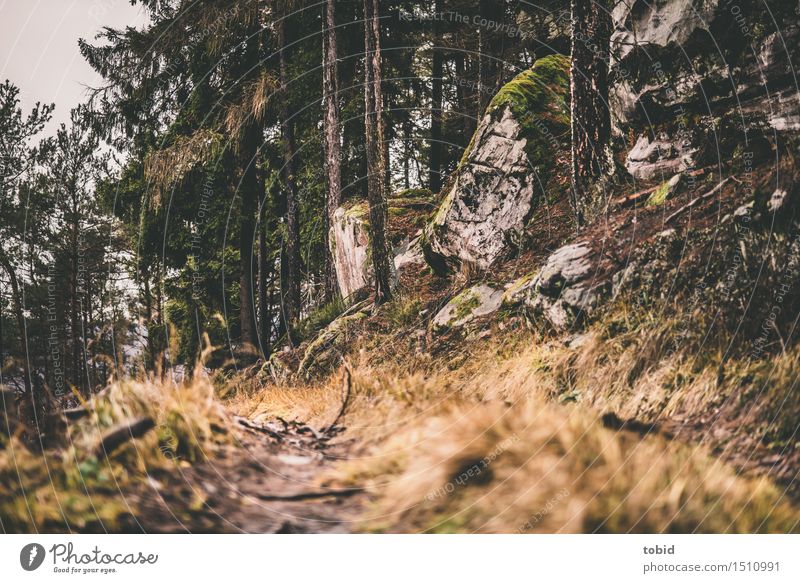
x,y
39,47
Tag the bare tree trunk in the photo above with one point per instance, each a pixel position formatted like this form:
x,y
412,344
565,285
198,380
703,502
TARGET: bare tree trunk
x,y
291,269
435,166
591,118
464,99
249,193
407,152
264,269
33,403
376,196
333,152
485,64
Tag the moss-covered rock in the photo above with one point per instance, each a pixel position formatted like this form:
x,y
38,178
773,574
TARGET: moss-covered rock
x,y
326,350
349,237
505,171
475,302
665,191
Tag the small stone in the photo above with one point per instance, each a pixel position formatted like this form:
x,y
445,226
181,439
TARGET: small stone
x,y
475,302
777,200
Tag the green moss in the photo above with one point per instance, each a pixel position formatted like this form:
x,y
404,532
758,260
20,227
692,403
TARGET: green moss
x,y
444,208
510,297
538,99
323,351
464,303
659,195
319,318
359,210
534,89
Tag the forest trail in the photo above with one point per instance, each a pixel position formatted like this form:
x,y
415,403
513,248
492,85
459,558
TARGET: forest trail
x,y
266,481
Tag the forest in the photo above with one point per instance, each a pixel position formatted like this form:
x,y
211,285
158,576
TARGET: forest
x,y
403,266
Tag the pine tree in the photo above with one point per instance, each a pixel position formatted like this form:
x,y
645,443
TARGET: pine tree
x,y
332,153
373,121
590,114
291,260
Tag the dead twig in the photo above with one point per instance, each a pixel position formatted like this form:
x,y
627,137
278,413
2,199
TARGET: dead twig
x,y
259,427
347,387
613,421
343,492
694,202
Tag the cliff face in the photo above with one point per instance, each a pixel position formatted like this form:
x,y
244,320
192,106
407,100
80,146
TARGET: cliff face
x,y
698,82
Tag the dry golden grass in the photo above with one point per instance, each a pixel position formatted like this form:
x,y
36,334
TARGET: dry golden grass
x,y
74,489
485,448
481,435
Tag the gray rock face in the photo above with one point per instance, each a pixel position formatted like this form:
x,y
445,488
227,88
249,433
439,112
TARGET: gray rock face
x,y
349,240
693,67
491,198
562,290
475,302
409,254
650,160
350,244
659,23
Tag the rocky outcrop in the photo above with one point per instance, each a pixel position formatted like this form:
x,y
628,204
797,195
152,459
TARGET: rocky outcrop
x,y
349,241
695,83
563,290
475,302
505,170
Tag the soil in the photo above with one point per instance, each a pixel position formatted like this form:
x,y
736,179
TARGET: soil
x,y
257,484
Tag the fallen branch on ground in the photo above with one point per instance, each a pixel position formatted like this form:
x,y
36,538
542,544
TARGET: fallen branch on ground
x,y
120,434
694,202
347,385
310,495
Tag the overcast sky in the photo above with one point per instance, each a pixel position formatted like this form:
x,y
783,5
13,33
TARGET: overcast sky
x,y
39,47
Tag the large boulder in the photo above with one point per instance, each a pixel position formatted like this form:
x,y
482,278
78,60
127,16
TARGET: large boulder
x,y
505,171
350,242
698,82
564,290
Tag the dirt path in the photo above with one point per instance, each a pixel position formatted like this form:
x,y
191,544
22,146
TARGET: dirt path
x,y
267,481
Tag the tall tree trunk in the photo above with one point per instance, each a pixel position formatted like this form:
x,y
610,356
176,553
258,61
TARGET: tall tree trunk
x,y
150,356
387,167
376,196
264,270
250,190
485,64
435,167
74,314
464,99
291,268
333,152
34,404
407,152
591,118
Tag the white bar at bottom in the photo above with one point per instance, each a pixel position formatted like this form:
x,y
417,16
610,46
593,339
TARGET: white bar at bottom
x,y
406,558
